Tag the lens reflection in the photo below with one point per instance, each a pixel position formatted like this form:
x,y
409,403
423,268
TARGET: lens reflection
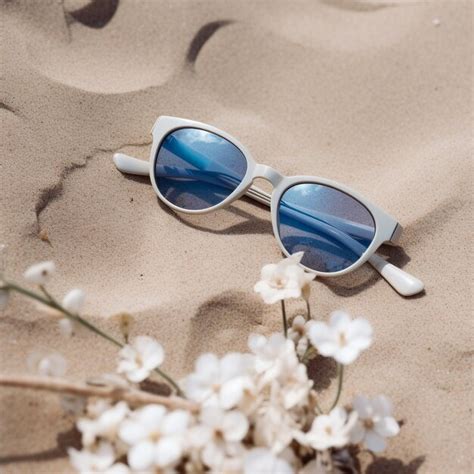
x,y
196,169
332,228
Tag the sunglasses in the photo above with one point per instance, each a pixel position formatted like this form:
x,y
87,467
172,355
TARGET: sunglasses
x,y
196,168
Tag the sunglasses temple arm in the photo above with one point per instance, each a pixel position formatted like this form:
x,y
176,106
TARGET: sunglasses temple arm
x,y
128,164
401,281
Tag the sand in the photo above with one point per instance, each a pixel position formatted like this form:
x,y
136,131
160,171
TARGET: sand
x,y
376,95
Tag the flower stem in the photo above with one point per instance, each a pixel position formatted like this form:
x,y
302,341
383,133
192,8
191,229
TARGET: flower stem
x,y
46,293
309,354
285,322
340,373
308,310
318,408
48,300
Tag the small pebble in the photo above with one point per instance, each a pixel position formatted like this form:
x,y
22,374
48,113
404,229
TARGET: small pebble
x,y
43,235
436,21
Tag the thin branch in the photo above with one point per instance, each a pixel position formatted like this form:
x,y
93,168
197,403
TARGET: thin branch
x,y
285,322
131,396
340,373
52,303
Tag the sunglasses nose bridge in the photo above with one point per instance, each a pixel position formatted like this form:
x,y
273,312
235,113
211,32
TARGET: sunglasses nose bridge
x,y
268,173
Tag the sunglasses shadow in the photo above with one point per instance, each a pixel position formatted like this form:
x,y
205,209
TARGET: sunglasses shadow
x,y
239,222
365,276
348,285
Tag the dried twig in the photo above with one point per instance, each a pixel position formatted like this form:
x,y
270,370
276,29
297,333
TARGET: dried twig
x,y
132,396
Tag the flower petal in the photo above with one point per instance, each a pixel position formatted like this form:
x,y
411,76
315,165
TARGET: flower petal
x,y
374,442
141,456
175,422
137,375
150,350
346,355
212,416
232,391
299,321
360,333
199,435
382,406
232,364
320,333
256,342
262,460
213,455
295,258
168,450
327,349
234,426
267,271
131,432
387,427
152,415
74,301
357,433
338,417
208,364
339,319
196,389
363,406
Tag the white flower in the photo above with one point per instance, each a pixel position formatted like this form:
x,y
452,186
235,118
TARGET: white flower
x,y
261,460
276,360
48,364
329,431
272,353
4,297
39,273
283,280
219,435
375,422
275,426
140,358
74,301
87,461
222,382
66,327
342,339
295,386
298,333
106,424
156,437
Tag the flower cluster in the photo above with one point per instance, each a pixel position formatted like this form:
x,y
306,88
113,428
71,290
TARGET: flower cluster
x,y
256,412
253,412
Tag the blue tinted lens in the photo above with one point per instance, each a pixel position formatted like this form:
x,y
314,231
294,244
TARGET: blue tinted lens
x,y
332,228
196,169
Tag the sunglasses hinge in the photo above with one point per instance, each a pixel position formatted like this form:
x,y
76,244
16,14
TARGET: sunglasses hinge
x,y
268,173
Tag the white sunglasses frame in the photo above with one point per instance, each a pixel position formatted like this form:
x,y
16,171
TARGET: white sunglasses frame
x,y
387,229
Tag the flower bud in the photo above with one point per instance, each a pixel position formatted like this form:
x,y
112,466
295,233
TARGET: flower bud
x,y
74,301
39,273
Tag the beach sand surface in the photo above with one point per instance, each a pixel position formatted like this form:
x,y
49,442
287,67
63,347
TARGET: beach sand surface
x,y
373,94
